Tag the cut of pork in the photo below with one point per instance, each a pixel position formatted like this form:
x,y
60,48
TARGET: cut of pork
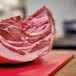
x,y
27,40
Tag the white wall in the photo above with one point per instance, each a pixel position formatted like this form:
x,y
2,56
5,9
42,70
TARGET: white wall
x,y
60,8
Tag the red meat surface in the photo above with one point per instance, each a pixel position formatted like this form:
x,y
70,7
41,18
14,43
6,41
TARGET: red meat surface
x,y
23,41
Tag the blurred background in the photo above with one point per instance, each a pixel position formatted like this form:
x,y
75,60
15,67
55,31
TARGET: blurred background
x,y
64,12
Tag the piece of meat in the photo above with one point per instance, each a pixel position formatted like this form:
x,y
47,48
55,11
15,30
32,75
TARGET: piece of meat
x,y
23,41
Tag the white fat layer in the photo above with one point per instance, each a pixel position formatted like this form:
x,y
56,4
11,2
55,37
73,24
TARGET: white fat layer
x,y
40,51
14,56
6,53
37,33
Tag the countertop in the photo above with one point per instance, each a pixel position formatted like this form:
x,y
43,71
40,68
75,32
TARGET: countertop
x,y
68,69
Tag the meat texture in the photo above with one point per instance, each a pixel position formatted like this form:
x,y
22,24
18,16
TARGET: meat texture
x,y
23,41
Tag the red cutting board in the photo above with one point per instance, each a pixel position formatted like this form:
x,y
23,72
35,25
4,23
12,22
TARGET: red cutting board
x,y
46,65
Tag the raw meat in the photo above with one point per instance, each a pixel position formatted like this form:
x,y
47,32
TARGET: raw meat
x,y
23,41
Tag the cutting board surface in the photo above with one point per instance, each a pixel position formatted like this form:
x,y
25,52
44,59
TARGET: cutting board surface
x,y
46,65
